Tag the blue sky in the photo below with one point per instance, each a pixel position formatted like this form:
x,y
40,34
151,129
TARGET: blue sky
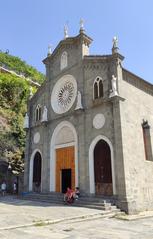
x,y
28,26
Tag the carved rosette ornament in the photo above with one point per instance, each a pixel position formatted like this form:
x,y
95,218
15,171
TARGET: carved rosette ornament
x,y
64,94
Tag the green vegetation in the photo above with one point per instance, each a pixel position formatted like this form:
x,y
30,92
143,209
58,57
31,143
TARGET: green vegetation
x,y
20,67
14,94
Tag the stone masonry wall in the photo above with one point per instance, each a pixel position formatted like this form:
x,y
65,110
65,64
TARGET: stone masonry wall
x,y
138,171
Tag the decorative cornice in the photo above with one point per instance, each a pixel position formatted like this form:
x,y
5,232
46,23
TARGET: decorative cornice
x,y
95,66
106,100
137,82
109,57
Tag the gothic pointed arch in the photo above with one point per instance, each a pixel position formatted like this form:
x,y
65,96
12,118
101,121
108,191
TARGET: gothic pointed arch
x,y
102,168
98,91
38,112
99,144
35,175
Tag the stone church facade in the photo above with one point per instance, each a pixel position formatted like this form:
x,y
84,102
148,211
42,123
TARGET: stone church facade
x,y
90,125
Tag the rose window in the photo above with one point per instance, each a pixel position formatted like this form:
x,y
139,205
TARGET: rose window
x,y
64,94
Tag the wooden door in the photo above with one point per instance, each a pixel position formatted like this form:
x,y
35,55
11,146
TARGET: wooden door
x,y
102,169
64,160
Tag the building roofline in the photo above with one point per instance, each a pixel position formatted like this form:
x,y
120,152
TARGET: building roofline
x,y
136,76
69,40
104,57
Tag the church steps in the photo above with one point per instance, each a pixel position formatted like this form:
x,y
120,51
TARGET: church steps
x,y
88,202
57,195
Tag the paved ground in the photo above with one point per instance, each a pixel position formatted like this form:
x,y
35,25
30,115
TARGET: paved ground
x,y
27,220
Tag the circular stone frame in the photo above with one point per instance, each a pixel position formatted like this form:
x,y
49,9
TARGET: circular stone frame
x,y
98,121
64,94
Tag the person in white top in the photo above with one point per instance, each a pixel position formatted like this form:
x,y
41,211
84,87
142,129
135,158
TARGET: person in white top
x,y
14,187
3,188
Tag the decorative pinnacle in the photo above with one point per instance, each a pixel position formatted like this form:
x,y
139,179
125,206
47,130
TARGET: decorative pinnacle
x,y
115,45
49,50
115,42
65,31
81,24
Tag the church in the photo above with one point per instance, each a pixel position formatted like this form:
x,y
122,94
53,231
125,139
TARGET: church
x,y
90,125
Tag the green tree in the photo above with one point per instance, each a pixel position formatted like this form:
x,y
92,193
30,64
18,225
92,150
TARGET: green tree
x,y
15,160
20,67
14,94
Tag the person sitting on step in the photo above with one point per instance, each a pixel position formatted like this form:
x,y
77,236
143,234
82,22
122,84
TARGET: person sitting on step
x,y
77,193
68,196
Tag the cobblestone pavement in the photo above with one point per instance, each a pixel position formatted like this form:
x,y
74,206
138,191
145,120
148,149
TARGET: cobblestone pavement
x,y
25,219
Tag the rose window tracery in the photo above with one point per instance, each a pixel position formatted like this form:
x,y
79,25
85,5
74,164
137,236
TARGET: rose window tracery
x,y
64,94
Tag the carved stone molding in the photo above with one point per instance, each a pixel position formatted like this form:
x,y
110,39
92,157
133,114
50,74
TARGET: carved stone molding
x,y
92,66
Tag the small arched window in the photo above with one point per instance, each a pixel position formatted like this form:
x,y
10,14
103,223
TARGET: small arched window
x,y
147,140
95,90
98,88
38,113
64,60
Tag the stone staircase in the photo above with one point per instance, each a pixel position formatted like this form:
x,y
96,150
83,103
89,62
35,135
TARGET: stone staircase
x,y
107,205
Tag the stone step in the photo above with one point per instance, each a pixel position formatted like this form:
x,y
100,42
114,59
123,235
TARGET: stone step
x,y
60,196
79,201
55,198
87,205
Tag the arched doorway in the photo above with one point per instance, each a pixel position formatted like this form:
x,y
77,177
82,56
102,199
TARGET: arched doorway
x,y
65,168
92,188
64,158
102,168
37,165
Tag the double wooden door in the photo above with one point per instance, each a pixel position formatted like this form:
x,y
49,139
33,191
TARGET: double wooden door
x,y
65,168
